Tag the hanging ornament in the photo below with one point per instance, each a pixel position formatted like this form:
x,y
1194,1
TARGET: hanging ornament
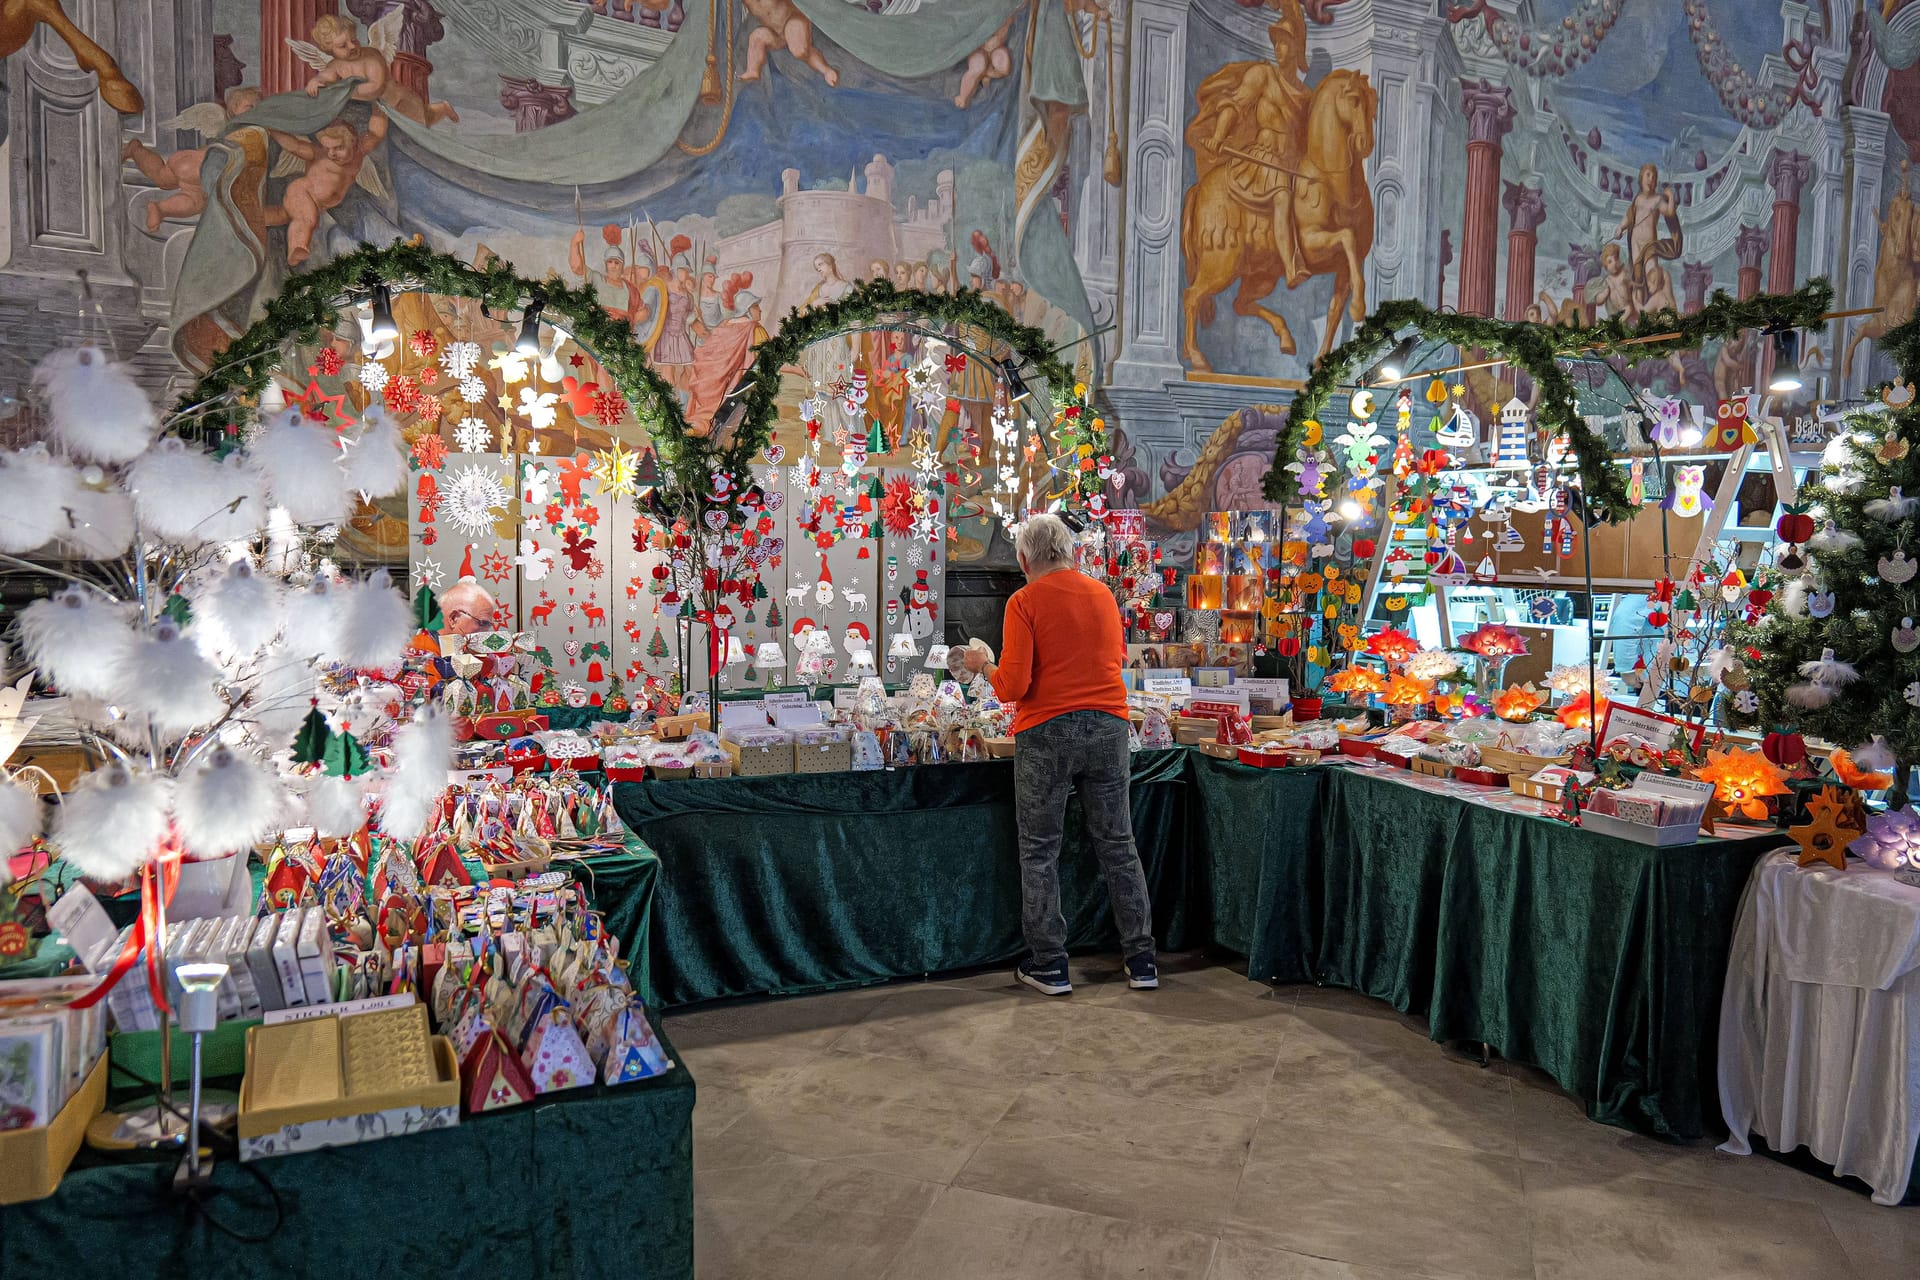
x,y
1686,498
1893,508
1905,638
1896,569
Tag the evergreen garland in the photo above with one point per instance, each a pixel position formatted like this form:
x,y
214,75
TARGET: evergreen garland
x,y
227,395
1534,348
1866,609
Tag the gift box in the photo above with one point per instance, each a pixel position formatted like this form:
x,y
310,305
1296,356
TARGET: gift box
x,y
32,1161
508,724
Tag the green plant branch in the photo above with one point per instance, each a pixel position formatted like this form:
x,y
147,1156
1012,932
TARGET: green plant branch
x,y
1537,349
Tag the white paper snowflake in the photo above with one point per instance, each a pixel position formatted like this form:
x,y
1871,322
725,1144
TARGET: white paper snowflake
x,y
468,498
472,436
913,554
327,534
429,574
373,375
472,390
459,359
511,365
537,407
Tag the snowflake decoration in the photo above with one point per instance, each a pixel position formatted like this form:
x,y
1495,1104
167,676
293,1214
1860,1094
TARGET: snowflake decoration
x,y
427,407
373,375
512,366
429,375
537,407
596,567
469,497
609,407
460,358
472,390
913,554
328,363
430,451
472,436
402,394
423,343
615,469
495,567
327,534
429,574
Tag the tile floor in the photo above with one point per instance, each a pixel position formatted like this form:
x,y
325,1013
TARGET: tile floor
x,y
1216,1129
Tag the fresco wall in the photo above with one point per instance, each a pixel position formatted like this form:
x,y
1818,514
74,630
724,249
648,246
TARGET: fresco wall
x,y
1227,183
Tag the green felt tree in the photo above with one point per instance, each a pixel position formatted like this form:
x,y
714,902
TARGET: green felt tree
x,y
426,610
774,620
310,744
657,647
345,757
1856,599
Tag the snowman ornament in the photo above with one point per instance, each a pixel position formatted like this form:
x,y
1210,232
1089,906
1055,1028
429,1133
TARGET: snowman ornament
x,y
823,588
921,608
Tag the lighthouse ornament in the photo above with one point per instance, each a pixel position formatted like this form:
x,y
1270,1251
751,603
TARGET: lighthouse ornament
x,y
1511,449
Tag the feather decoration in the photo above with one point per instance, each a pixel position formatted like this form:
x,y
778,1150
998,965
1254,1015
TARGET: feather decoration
x,y
376,465
240,615
1832,540
422,754
19,823
77,639
375,623
112,822
314,618
1811,697
99,524
337,806
1875,756
225,804
282,691
1893,508
94,407
169,680
185,495
1793,601
1826,669
36,489
302,467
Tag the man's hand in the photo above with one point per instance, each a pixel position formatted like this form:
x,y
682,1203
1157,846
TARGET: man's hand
x,y
975,660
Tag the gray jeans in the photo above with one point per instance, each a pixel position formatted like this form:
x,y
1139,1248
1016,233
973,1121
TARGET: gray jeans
x,y
1087,749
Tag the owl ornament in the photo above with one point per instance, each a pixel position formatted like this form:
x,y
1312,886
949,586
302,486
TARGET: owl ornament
x,y
1667,431
1897,569
1687,497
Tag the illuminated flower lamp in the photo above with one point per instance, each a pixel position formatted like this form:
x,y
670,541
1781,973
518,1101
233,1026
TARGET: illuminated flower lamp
x,y
1363,681
1393,645
1571,680
1495,645
1742,781
1853,773
1891,841
1519,702
1407,692
1432,664
1583,712
1451,704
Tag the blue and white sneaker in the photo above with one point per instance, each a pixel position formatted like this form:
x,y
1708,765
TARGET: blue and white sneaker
x,y
1048,980
1142,973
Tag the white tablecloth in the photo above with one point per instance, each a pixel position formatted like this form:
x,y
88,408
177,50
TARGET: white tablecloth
x,y
1820,1020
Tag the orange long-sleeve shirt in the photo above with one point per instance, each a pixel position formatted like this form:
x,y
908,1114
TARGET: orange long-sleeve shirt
x,y
1063,650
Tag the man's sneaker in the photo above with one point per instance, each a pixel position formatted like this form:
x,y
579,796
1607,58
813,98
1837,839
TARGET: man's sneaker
x,y
1048,980
1142,975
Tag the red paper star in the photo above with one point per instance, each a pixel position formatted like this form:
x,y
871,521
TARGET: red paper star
x,y
576,359
318,406
495,567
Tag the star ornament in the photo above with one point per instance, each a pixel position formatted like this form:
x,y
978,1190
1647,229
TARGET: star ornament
x,y
616,469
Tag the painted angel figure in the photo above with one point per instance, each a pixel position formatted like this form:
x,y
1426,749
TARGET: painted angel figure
x,y
334,161
177,174
336,54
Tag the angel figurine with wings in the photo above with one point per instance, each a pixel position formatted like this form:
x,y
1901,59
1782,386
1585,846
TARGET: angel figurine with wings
x,y
337,54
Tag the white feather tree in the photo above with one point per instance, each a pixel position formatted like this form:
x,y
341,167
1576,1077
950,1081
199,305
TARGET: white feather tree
x,y
198,628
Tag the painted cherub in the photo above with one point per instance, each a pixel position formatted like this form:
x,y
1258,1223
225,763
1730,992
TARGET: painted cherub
x,y
990,61
333,158
179,172
337,54
782,23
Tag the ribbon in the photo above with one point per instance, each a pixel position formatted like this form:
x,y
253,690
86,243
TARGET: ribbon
x,y
159,880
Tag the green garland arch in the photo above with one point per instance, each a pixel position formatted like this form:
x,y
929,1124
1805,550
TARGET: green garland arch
x,y
311,302
1534,348
878,304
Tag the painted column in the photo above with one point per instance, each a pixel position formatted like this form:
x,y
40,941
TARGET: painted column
x,y
1869,132
1749,250
1156,41
281,70
1526,210
1585,265
1787,173
1489,112
1695,279
1098,223
535,105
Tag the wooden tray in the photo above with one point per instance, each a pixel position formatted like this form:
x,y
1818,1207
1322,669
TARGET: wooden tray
x,y
1429,766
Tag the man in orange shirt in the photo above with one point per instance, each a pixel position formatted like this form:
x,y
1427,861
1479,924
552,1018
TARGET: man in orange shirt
x,y
1062,656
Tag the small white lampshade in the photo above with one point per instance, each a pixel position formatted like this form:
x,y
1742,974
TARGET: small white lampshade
x,y
769,658
736,652
937,656
862,662
818,642
902,646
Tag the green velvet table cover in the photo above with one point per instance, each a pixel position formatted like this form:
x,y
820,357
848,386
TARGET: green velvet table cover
x,y
805,882
1597,959
587,1183
1253,832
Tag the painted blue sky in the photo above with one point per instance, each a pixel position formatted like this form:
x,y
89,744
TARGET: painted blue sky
x,y
1644,86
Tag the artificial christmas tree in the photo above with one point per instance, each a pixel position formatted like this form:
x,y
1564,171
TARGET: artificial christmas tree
x,y
1830,654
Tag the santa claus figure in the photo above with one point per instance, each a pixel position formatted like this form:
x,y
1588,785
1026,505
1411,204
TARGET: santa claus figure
x,y
856,639
923,610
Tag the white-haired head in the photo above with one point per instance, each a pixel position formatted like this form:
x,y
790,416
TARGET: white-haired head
x,y
1043,545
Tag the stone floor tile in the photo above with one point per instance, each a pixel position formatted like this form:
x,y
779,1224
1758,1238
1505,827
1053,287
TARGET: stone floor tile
x,y
969,1235
803,1220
